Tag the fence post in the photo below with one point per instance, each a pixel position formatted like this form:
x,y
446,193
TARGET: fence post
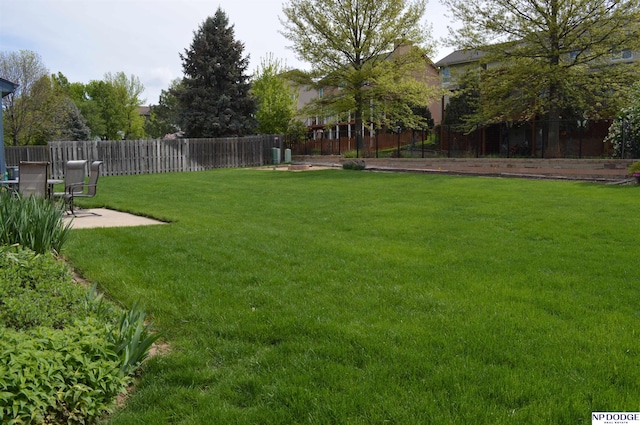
x,y
477,140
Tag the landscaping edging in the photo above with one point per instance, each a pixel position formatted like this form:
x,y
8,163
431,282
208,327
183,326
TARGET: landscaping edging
x,y
573,169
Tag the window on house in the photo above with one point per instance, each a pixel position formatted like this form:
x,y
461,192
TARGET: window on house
x,y
446,74
320,92
621,54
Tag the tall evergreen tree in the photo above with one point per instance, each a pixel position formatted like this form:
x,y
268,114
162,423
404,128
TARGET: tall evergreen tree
x,y
214,98
76,127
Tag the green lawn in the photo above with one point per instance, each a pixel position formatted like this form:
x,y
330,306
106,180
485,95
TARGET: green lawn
x,y
345,297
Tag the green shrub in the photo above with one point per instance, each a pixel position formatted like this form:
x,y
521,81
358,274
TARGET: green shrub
x,y
634,168
32,222
37,290
354,164
624,132
65,352
350,154
58,376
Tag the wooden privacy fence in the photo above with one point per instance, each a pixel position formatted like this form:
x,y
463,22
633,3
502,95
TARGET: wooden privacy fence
x,y
15,154
128,157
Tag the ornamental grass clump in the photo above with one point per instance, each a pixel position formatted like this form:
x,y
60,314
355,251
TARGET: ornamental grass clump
x,y
32,222
129,331
132,339
354,164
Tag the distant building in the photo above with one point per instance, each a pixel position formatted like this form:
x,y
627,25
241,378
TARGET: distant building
x,y
145,111
518,138
341,135
6,88
456,64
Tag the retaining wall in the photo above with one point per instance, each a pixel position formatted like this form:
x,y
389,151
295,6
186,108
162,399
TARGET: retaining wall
x,y
579,169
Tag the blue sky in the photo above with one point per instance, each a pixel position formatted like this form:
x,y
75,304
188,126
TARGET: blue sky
x,y
84,39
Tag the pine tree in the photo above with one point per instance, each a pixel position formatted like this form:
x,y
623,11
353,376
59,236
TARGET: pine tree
x,y
214,100
77,128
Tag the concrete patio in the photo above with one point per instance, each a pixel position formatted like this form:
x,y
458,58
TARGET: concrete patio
x,y
103,217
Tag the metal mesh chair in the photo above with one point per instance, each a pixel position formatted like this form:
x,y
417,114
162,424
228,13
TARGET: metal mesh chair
x,y
84,190
74,175
33,179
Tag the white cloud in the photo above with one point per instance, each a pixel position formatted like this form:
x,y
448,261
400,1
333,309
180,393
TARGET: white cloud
x,y
84,39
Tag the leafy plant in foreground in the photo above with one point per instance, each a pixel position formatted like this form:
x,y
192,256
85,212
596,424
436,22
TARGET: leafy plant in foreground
x,y
95,303
65,352
36,290
58,376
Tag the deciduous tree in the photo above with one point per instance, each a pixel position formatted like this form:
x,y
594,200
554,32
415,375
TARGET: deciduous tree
x,y
39,110
116,100
87,106
128,91
164,119
275,96
374,53
58,117
549,58
26,69
214,98
463,104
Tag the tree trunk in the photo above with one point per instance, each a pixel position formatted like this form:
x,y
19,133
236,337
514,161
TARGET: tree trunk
x,y
553,134
553,126
358,120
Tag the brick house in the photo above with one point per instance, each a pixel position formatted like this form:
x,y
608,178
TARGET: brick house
x,y
328,136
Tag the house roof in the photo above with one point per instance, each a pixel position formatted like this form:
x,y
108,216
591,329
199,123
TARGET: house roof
x,y
144,110
458,57
7,87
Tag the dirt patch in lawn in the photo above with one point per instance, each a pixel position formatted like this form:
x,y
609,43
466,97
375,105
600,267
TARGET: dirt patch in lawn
x,y
296,167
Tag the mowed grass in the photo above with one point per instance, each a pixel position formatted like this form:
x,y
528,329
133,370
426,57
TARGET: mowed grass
x,y
344,297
